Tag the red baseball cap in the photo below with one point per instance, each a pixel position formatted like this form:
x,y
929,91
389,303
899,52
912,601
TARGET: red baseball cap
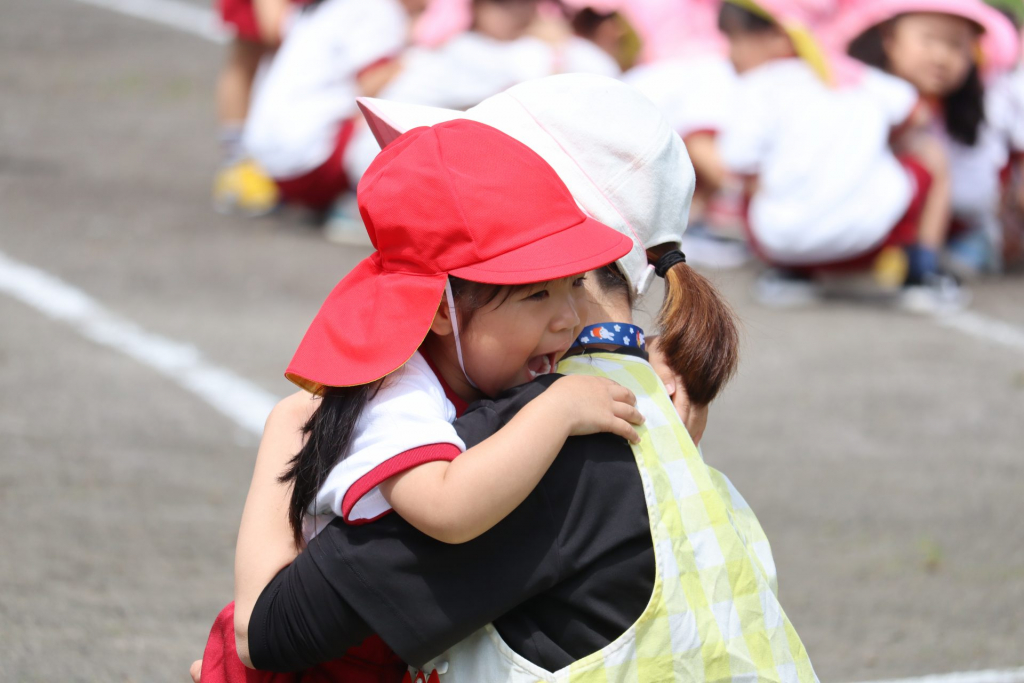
x,y
460,198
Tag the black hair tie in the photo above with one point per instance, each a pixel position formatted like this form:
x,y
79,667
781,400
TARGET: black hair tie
x,y
667,260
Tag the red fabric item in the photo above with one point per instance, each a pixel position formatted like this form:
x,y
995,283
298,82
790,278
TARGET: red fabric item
x,y
402,462
457,402
459,198
903,234
240,17
220,659
320,187
371,662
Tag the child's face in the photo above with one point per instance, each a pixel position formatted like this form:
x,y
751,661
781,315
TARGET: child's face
x,y
750,49
510,342
504,19
934,52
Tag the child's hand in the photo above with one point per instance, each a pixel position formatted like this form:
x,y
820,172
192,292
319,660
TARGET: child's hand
x,y
596,404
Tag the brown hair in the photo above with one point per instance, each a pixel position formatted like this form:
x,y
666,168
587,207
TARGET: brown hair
x,y
699,336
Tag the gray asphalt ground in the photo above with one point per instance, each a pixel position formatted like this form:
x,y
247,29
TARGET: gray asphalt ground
x,y
882,452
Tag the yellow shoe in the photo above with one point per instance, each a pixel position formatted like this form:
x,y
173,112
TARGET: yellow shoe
x,y
243,188
890,268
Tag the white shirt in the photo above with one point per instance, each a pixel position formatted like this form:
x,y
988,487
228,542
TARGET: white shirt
x,y
409,411
694,93
471,67
310,87
1004,107
975,169
468,69
829,186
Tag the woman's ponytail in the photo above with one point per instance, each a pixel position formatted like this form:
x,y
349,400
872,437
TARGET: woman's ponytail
x,y
698,336
328,433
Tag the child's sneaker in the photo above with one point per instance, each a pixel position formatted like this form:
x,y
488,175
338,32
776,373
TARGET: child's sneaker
x,y
243,188
786,289
936,293
970,254
344,225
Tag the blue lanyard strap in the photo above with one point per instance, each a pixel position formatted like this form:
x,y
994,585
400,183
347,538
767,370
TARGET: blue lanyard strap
x,y
621,334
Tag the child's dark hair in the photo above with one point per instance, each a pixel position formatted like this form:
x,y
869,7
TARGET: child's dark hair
x,y
963,109
329,431
698,336
733,19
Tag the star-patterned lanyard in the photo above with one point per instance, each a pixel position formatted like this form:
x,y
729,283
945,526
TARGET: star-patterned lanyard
x,y
620,334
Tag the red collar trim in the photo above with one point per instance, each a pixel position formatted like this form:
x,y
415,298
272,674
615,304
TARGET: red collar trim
x,y
460,405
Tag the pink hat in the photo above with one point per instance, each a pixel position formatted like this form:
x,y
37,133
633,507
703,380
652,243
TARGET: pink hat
x,y
600,6
682,28
999,44
443,19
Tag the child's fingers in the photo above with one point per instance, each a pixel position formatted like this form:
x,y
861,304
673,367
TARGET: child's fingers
x,y
625,430
621,394
627,412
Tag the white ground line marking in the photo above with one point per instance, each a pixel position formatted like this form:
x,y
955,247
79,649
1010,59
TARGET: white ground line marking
x,y
246,404
983,327
990,676
199,21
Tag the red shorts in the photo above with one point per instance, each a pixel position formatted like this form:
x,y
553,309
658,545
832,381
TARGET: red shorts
x,y
903,234
319,188
240,16
371,662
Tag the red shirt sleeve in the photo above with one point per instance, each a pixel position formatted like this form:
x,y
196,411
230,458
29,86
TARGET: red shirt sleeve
x,y
389,468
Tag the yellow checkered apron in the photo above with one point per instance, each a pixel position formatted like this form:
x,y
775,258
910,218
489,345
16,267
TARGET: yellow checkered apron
x,y
713,616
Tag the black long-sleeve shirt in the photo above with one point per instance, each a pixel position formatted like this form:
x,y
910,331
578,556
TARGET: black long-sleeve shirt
x,y
562,576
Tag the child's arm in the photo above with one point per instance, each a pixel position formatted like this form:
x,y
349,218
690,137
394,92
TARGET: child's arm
x,y
271,18
457,501
265,541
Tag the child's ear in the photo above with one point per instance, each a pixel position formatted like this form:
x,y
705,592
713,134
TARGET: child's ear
x,y
441,325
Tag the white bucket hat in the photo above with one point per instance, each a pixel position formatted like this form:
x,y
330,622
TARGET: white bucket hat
x,y
620,159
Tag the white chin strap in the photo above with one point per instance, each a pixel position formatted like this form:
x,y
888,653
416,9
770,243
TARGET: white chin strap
x,y
455,330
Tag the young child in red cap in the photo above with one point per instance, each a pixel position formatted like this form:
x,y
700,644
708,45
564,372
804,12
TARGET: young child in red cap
x,y
475,288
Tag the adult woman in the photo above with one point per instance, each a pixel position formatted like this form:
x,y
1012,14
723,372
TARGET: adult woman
x,y
594,566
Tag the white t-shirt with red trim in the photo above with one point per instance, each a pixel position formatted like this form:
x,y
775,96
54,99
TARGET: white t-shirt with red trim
x,y
407,423
310,86
1004,108
828,184
975,170
693,93
468,69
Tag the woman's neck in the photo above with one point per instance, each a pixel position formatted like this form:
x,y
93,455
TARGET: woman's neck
x,y
607,307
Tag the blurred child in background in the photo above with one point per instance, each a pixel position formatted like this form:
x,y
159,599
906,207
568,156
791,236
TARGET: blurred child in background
x,y
482,48
303,114
257,26
812,133
1004,111
693,83
604,23
942,48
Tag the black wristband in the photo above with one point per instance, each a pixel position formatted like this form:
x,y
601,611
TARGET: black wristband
x,y
667,260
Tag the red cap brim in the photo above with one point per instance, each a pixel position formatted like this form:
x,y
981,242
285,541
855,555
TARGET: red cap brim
x,y
369,326
582,247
